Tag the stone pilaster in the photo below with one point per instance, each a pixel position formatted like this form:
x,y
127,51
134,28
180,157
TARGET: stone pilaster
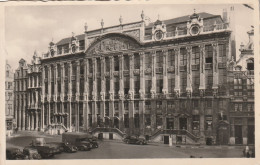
x,y
32,124
69,96
142,80
37,120
24,109
111,91
131,76
153,89
42,119
215,67
121,80
189,72
202,86
165,66
55,83
94,78
86,90
29,120
177,72
103,80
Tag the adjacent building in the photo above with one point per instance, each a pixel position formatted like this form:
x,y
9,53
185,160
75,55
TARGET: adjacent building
x,y
9,98
168,80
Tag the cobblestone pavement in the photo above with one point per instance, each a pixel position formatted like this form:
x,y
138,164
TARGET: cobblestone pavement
x,y
112,149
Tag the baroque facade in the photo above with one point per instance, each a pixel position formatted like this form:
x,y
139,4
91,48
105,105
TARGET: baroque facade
x,y
166,78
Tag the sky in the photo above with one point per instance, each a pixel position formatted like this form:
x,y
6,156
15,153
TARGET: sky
x,y
30,28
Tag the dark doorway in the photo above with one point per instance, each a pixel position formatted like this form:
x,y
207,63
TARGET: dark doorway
x,y
100,136
238,134
251,134
170,123
222,137
166,139
183,123
116,123
111,136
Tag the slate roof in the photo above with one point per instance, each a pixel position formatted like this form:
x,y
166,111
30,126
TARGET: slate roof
x,y
169,21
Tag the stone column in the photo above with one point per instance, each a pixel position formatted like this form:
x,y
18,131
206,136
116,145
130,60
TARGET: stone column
x,y
121,80
189,72
36,101
29,120
62,81
32,124
94,93
177,71
36,118
153,89
20,112
69,96
86,90
77,93
43,96
131,76
103,90
24,109
29,100
111,92
142,92
202,86
49,94
165,73
42,121
215,67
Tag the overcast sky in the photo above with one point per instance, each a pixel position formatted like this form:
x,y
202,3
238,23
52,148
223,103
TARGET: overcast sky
x,y
30,28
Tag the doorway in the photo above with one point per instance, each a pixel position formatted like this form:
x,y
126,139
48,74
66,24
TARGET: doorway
x,y
238,134
222,136
170,123
166,139
251,134
110,136
183,123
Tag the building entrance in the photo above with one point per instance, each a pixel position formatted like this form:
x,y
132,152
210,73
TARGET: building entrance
x,y
251,134
183,123
116,123
238,134
170,123
166,139
222,137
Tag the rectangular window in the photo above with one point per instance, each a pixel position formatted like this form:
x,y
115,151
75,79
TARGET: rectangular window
x,y
195,103
126,106
183,57
147,105
126,86
59,49
136,105
136,84
195,56
222,52
107,85
171,85
106,109
250,107
209,103
116,106
107,64
136,61
147,120
209,54
148,86
159,85
126,62
66,48
208,124
98,65
116,63
170,105
90,66
159,59
196,122
171,57
158,121
81,44
148,60
183,82
116,87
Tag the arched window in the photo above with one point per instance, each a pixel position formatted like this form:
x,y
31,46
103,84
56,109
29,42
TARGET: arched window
x,y
250,64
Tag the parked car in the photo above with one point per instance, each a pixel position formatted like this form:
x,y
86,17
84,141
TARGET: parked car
x,y
134,140
81,140
44,149
14,154
69,148
32,153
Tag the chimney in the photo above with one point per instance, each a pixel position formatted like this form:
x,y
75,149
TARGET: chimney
x,y
224,16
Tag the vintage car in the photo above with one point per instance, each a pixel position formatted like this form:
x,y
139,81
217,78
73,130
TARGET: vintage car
x,y
81,140
44,149
31,153
14,154
69,148
134,140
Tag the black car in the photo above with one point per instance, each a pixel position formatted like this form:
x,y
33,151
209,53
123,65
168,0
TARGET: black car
x,y
14,154
134,140
69,148
31,153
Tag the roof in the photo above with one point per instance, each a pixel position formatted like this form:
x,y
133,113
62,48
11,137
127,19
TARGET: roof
x,y
67,40
185,19
169,21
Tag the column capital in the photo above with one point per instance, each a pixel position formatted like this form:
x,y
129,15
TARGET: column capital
x,y
176,49
215,44
111,57
153,52
120,56
141,53
188,48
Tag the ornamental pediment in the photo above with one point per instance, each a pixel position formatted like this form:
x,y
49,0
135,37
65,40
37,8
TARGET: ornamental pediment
x,y
112,44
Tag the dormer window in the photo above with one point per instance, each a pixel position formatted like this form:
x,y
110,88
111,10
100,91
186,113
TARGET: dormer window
x,y
66,48
250,64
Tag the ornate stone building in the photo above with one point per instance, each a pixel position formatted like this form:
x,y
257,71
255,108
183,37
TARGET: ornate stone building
x,y
9,98
242,117
20,94
168,77
34,114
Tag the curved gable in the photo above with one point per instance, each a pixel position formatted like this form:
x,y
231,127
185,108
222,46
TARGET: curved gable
x,y
112,42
